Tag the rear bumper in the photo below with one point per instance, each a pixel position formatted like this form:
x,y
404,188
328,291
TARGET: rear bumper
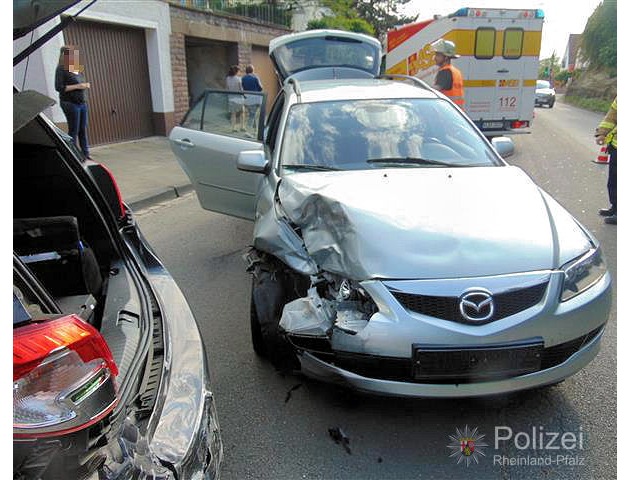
x,y
186,435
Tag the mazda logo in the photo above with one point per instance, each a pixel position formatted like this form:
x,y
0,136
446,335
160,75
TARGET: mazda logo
x,y
476,306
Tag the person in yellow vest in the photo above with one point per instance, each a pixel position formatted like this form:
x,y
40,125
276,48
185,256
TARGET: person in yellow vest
x,y
449,79
606,133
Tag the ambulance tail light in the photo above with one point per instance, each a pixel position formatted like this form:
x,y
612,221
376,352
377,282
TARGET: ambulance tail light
x,y
519,124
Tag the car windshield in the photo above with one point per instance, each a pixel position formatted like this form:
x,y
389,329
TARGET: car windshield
x,y
542,84
381,133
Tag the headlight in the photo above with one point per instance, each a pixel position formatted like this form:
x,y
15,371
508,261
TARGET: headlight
x,y
582,273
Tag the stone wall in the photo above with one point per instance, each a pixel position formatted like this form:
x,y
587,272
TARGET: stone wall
x,y
592,84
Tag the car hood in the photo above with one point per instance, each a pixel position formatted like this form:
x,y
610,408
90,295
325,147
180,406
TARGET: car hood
x,y
411,223
545,91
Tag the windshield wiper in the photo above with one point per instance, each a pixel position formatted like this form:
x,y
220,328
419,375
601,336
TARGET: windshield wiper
x,y
302,166
413,161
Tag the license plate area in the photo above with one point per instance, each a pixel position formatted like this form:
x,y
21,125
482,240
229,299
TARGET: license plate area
x,y
475,363
493,125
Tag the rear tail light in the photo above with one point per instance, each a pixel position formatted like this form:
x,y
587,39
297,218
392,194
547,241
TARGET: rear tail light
x,y
520,124
109,187
63,378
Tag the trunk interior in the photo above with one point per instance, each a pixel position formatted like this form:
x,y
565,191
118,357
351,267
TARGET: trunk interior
x,y
61,235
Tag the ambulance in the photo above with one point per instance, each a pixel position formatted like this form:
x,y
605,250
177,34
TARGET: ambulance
x,y
498,50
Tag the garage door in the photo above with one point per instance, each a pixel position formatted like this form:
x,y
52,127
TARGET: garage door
x,y
119,99
264,69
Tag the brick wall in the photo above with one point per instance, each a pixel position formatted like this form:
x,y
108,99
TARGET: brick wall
x,y
180,77
240,31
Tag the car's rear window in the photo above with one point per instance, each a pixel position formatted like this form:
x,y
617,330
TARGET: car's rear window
x,y
355,135
542,84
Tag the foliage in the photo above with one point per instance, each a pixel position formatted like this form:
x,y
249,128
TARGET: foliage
x,y
599,40
383,14
592,104
357,25
374,17
562,76
548,66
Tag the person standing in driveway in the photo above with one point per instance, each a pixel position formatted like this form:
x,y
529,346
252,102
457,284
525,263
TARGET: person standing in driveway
x,y
71,85
449,79
606,133
235,102
251,83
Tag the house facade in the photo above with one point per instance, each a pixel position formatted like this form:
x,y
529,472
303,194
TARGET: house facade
x,y
147,60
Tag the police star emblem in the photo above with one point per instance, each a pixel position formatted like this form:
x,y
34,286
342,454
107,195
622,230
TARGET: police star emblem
x,y
467,445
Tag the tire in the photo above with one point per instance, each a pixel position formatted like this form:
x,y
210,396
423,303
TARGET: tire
x,y
257,339
551,104
267,340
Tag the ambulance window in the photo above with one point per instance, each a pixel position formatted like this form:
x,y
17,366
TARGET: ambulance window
x,y
513,43
484,42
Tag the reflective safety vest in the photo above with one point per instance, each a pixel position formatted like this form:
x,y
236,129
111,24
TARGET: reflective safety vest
x,y
456,93
608,126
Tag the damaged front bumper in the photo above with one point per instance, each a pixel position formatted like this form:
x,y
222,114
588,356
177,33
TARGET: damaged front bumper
x,y
540,345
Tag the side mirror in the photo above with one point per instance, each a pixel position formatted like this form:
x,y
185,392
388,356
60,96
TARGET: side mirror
x,y
503,145
252,161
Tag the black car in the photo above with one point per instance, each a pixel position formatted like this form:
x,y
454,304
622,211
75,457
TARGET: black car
x,y
109,370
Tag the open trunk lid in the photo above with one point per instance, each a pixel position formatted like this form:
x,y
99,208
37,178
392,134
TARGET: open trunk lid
x,y
319,54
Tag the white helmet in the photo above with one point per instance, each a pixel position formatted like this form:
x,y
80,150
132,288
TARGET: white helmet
x,y
445,47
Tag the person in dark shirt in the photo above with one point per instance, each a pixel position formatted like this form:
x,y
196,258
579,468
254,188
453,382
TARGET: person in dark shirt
x,y
71,85
251,83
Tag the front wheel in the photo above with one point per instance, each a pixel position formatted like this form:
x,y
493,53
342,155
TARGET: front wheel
x,y
551,103
267,302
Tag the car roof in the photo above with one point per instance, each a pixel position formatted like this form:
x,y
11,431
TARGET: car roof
x,y
358,89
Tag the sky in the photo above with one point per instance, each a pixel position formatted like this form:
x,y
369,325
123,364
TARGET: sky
x,y
562,17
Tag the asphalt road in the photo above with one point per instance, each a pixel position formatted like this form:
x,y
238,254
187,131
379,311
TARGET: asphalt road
x,y
269,434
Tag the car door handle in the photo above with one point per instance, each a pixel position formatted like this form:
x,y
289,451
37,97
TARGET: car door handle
x,y
503,70
184,143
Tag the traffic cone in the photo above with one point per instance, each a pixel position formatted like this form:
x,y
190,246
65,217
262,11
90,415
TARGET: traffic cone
x,y
602,157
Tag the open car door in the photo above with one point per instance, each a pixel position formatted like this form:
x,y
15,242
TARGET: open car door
x,y
215,130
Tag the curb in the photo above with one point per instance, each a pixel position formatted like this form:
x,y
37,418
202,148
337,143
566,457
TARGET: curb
x,y
146,200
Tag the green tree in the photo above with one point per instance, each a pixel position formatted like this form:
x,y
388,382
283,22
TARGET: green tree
x,y
383,14
599,40
548,66
563,76
374,17
357,25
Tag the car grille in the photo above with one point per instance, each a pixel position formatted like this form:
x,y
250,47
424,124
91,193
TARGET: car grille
x,y
447,308
401,369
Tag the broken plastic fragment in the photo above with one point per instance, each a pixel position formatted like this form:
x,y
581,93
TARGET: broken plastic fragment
x,y
293,389
351,321
341,438
311,315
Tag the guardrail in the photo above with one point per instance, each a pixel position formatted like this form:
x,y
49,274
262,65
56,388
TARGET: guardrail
x,y
276,13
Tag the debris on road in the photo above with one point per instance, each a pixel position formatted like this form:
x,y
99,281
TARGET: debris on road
x,y
292,389
340,437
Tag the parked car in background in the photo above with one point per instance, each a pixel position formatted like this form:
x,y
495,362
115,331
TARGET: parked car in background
x,y
545,93
394,250
109,370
